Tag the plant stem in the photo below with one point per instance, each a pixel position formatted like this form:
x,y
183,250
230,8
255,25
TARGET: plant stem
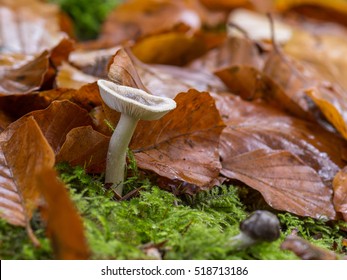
x,y
116,155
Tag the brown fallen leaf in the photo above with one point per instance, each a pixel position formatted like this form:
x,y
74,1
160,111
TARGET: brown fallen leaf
x,y
340,192
305,250
71,77
182,145
123,72
137,19
235,51
17,105
224,4
285,182
93,62
160,80
256,125
168,80
85,147
320,11
61,51
58,119
64,225
251,83
157,49
324,54
5,121
266,149
24,151
294,78
30,27
25,78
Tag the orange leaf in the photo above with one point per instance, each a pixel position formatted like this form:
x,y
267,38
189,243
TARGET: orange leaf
x,y
64,225
70,77
158,48
182,145
30,27
291,162
25,78
24,151
58,119
136,19
340,192
122,71
285,182
85,147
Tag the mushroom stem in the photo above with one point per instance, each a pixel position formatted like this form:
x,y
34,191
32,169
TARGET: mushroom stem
x,y
116,155
241,241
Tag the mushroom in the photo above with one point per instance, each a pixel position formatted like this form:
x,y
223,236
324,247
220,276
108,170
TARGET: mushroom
x,y
260,226
134,105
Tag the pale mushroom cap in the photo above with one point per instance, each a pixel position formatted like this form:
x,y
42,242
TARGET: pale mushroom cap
x,y
134,102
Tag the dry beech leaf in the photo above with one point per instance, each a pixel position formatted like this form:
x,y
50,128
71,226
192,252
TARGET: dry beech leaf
x,y
258,133
5,121
161,80
85,147
183,145
266,127
332,102
293,78
61,51
24,151
224,4
250,84
17,106
157,49
29,28
25,78
71,77
340,192
122,70
305,250
58,119
135,19
168,80
87,96
285,182
324,54
234,51
93,62
64,225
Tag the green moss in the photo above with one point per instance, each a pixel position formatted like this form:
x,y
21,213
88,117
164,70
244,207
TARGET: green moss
x,y
87,15
15,243
328,235
198,227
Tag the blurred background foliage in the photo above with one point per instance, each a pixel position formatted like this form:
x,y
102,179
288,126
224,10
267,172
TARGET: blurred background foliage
x,y
87,15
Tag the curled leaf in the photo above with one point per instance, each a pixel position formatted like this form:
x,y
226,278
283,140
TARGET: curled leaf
x,y
64,225
85,147
58,119
24,152
25,78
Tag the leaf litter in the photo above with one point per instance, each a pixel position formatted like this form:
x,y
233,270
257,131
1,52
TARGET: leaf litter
x,y
266,113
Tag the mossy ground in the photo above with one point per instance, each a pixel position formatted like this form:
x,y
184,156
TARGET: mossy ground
x,y
198,227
